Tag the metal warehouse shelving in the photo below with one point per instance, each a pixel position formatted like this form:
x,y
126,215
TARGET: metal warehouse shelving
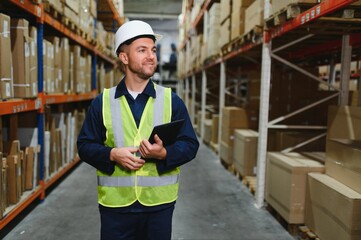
x,y
319,34
12,107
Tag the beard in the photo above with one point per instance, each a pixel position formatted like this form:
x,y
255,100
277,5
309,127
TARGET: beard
x,y
143,72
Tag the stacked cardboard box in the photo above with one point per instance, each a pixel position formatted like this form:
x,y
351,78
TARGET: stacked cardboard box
x,y
213,30
71,10
232,118
3,185
254,15
33,61
55,71
65,63
48,66
286,178
225,21
245,151
334,200
215,123
20,45
238,17
333,210
6,80
207,131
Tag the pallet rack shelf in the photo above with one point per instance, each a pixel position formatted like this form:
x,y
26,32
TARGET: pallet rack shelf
x,y
12,107
315,33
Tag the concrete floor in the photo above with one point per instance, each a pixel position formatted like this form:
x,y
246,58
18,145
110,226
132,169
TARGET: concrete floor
x,y
213,205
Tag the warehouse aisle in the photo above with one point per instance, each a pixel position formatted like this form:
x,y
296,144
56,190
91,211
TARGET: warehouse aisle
x,y
213,205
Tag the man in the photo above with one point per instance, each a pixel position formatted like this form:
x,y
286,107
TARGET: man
x,y
136,194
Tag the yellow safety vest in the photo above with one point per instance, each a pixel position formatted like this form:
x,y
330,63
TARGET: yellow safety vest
x,y
146,185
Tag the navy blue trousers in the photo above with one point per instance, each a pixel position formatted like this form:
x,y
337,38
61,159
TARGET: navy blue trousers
x,y
136,225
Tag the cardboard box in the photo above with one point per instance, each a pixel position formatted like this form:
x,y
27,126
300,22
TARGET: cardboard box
x,y
72,4
20,46
245,151
254,15
207,131
343,161
33,62
48,67
65,63
225,9
226,34
226,153
232,118
6,80
3,186
215,123
286,177
29,168
77,68
12,180
237,4
333,211
344,122
237,22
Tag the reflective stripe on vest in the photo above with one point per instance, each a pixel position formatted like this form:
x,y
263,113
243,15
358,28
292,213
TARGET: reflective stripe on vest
x,y
142,181
124,187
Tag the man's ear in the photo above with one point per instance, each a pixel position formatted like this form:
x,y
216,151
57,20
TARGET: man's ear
x,y
123,57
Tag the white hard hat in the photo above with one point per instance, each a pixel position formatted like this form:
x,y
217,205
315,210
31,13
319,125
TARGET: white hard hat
x,y
131,30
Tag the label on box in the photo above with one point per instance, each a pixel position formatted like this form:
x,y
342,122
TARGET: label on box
x,y
60,75
32,48
44,49
26,49
7,89
65,87
35,92
6,29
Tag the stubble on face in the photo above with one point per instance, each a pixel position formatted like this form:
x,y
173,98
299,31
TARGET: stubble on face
x,y
142,60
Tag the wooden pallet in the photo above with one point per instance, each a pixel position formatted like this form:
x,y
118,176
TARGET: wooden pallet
x,y
214,147
52,10
252,36
68,23
290,11
292,228
251,183
229,166
211,59
305,233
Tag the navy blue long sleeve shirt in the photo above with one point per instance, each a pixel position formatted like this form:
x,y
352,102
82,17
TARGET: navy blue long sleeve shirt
x,y
92,136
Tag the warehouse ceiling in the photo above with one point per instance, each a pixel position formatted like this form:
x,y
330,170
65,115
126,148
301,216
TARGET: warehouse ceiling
x,y
152,9
161,14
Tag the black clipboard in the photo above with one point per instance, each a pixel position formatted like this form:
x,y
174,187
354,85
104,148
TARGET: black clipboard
x,y
167,132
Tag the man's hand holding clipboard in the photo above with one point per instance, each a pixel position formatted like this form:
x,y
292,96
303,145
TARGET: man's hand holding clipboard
x,y
162,135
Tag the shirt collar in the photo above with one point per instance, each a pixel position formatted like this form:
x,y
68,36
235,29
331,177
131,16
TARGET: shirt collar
x,y
122,89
